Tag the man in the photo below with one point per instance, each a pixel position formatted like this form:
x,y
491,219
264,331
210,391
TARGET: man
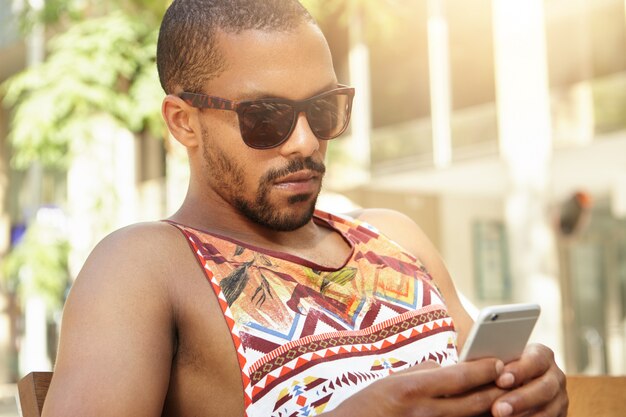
x,y
246,301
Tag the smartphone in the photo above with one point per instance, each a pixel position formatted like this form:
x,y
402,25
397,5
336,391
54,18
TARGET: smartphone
x,y
500,332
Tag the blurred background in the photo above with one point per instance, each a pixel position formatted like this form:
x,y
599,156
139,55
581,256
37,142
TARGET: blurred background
x,y
499,126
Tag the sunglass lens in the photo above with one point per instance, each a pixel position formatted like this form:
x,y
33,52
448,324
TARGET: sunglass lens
x,y
329,116
265,125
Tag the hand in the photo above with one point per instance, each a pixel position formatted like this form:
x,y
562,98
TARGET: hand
x,y
461,390
536,384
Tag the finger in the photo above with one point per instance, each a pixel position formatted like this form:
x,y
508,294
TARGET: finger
x,y
535,361
540,393
455,379
554,409
525,414
475,403
557,408
468,376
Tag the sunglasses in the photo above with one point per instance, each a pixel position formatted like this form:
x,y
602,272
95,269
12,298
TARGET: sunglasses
x,y
269,122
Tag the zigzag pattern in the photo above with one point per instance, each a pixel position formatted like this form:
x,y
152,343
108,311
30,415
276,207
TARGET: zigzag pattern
x,y
307,337
394,332
320,320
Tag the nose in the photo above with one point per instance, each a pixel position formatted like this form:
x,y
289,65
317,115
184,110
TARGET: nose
x,y
302,140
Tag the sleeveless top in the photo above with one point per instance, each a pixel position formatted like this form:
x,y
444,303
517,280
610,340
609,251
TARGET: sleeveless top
x,y
307,337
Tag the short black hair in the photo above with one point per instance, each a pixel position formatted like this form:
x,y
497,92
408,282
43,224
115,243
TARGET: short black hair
x,y
187,53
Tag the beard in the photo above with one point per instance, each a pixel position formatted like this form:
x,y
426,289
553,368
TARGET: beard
x,y
229,181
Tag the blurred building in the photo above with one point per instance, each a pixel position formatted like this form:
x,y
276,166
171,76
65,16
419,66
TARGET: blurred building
x,y
531,110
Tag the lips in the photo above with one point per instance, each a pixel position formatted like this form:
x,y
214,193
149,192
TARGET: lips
x,y
302,176
300,183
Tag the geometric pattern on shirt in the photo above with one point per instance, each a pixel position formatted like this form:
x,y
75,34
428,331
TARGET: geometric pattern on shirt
x,y
379,339
284,313
312,394
298,358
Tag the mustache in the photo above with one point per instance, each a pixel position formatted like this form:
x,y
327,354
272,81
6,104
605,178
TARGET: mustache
x,y
294,166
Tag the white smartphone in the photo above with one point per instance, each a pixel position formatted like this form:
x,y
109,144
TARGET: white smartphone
x,y
501,332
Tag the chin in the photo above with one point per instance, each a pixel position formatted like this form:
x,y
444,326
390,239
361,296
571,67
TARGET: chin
x,y
297,212
292,218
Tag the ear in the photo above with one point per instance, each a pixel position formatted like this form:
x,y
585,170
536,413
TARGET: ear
x,y
181,120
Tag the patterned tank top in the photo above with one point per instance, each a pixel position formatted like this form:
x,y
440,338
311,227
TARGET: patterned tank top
x,y
307,337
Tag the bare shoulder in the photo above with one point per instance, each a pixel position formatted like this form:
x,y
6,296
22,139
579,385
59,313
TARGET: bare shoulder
x,y
136,257
119,325
398,227
139,238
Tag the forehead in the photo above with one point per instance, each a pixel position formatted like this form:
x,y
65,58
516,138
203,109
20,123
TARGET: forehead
x,y
267,63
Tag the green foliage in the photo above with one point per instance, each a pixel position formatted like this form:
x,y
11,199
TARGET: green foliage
x,y
99,66
38,265
54,13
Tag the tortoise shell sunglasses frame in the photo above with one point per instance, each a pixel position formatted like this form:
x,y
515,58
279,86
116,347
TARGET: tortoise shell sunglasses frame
x,y
267,123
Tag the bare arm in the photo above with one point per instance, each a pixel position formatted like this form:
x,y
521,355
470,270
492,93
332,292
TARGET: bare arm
x,y
117,337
